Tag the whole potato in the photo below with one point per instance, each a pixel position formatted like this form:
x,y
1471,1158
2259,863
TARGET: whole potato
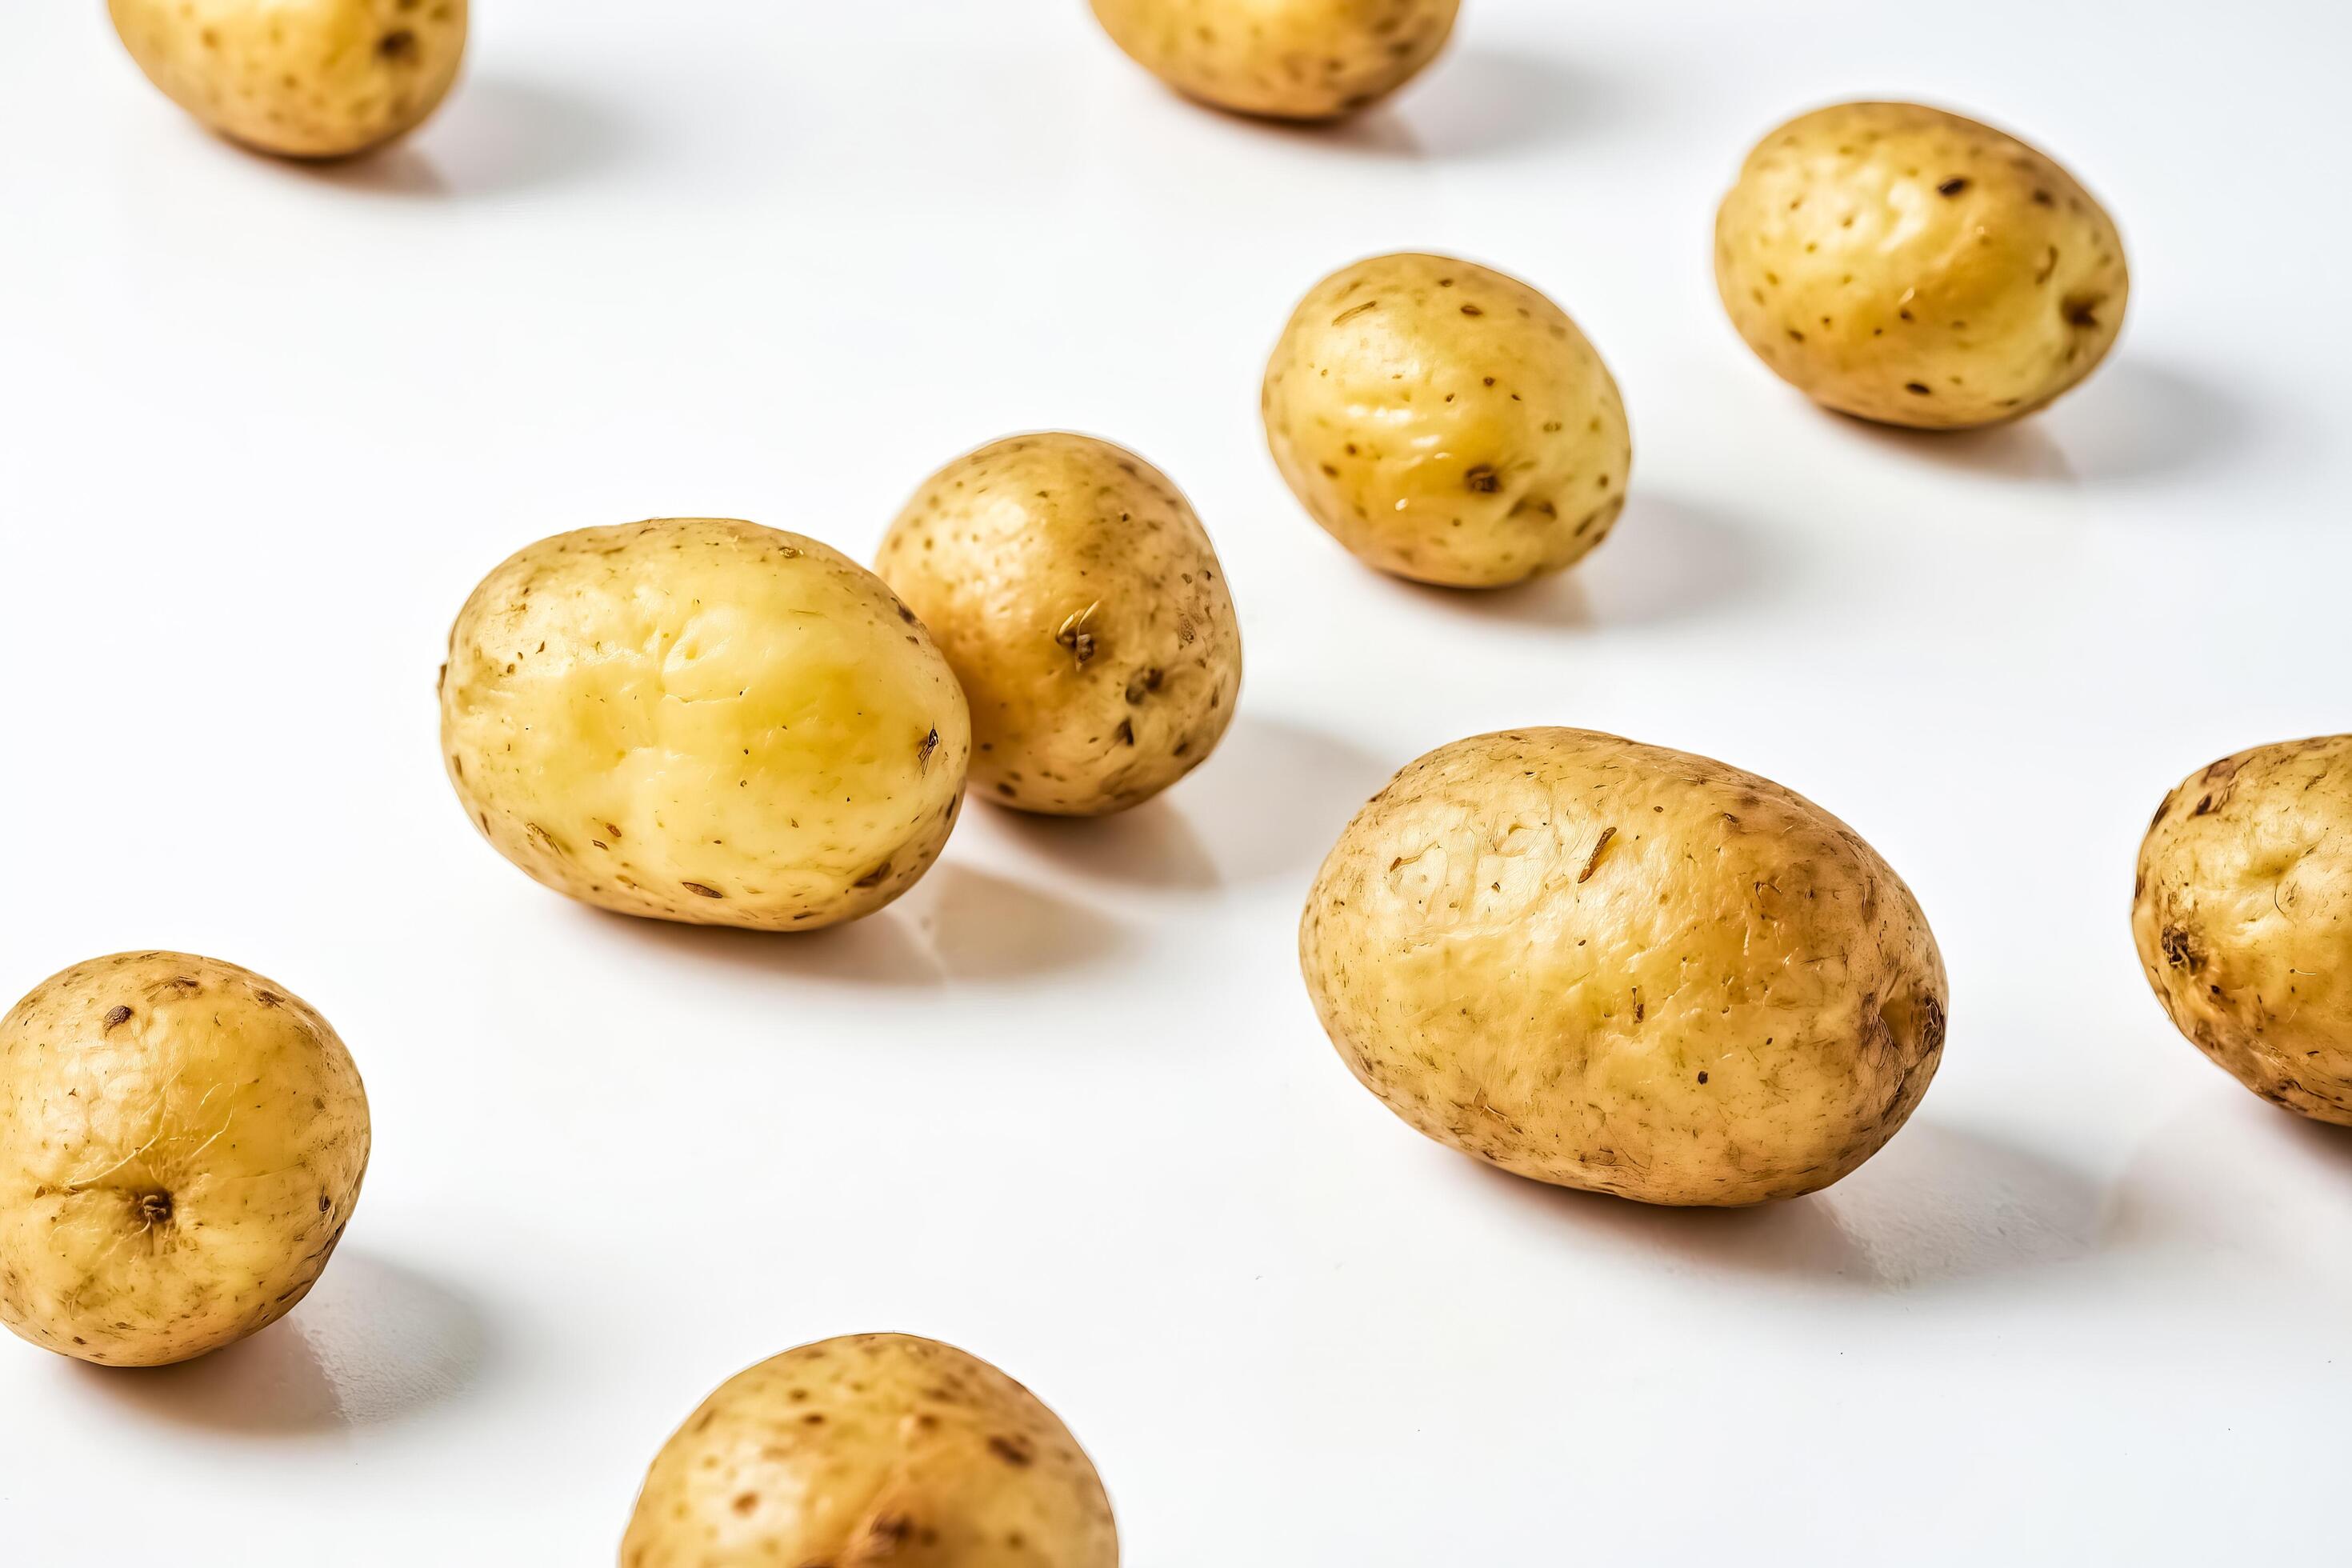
x,y
2242,914
1612,966
305,79
1285,60
703,719
872,1449
1447,423
1083,609
180,1145
1908,265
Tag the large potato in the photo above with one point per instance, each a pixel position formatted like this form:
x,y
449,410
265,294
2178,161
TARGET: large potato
x,y
1447,423
306,79
180,1145
2243,913
1286,59
1084,612
1908,265
706,721
872,1449
1613,966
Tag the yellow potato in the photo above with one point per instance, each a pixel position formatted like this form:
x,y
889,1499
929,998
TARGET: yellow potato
x,y
1285,60
1082,607
872,1449
1447,423
306,79
1908,265
2242,914
180,1145
1617,967
703,719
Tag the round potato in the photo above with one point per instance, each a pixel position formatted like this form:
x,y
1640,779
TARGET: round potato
x,y
873,1448
2242,914
1447,423
1082,607
1285,60
305,78
703,719
1908,265
180,1145
1612,966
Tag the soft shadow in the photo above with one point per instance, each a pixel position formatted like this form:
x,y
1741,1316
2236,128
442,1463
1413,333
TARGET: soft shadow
x,y
2232,1175
1471,100
2023,449
1149,845
1273,799
494,136
883,949
1799,1237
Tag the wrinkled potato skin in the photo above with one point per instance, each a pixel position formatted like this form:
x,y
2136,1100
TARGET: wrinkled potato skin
x,y
2243,915
1907,265
1283,59
1447,423
867,1450
1630,970
180,1145
304,78
706,721
1081,606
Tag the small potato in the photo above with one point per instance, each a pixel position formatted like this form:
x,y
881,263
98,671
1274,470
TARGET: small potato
x,y
706,721
872,1449
1285,60
1447,423
305,79
1908,265
1083,609
2242,914
180,1145
1617,967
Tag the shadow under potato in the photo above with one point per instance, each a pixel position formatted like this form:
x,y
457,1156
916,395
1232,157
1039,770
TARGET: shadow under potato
x,y
1273,799
1471,100
493,136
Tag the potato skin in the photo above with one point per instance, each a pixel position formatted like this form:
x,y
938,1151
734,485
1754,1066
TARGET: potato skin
x,y
1082,607
706,721
2242,914
1282,59
1617,967
872,1449
1906,264
1447,423
182,1142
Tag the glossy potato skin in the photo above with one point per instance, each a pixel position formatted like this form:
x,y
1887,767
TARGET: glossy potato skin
x,y
1084,610
706,721
1282,59
1905,265
2242,914
1617,967
869,1451
1447,423
180,1145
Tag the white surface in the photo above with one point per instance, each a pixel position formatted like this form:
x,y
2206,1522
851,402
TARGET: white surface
x,y
261,428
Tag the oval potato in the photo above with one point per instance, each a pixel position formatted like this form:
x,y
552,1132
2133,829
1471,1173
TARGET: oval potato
x,y
1284,60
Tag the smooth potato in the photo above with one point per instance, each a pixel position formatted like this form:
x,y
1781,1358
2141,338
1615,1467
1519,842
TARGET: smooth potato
x,y
1285,60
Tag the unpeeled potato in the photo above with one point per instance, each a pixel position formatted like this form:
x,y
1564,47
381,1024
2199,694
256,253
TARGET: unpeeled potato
x,y
1285,60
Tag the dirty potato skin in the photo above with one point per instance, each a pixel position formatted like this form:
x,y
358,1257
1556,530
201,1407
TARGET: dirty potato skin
x,y
1617,967
1082,607
304,78
182,1142
2243,915
1906,264
867,1450
1447,423
706,721
1282,59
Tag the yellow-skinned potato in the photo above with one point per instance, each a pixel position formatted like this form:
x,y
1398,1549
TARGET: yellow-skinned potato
x,y
2242,914
867,1450
180,1145
1447,423
702,719
1617,967
305,78
1285,60
1082,607
1908,265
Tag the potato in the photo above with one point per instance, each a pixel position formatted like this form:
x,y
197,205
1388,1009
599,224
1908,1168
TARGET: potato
x,y
1908,265
180,1145
1612,966
1285,60
1447,423
2242,914
305,79
1083,609
872,1449
706,721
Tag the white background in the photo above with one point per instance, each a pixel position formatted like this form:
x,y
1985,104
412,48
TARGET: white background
x,y
262,427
